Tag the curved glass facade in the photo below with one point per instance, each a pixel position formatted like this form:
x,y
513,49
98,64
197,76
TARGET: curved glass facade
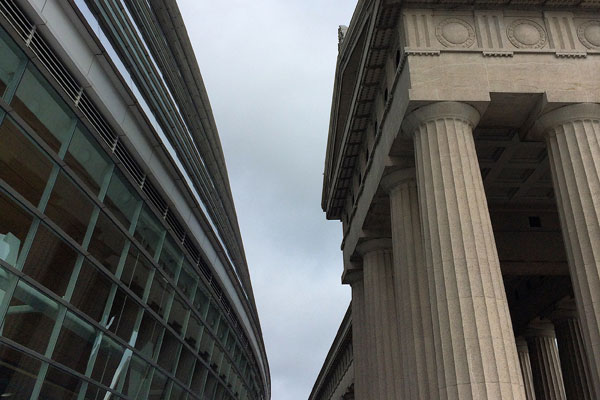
x,y
98,297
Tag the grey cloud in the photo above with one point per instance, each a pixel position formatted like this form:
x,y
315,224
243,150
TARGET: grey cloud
x,y
268,66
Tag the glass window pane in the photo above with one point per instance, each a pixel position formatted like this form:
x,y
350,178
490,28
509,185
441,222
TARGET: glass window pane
x,y
192,333
9,62
50,261
43,109
69,208
136,378
22,164
30,318
213,316
110,355
121,199
158,387
177,393
136,271
91,291
177,314
107,243
198,378
170,257
201,302
187,279
148,231
185,365
123,315
60,385
87,159
14,225
75,343
159,294
17,372
168,351
148,335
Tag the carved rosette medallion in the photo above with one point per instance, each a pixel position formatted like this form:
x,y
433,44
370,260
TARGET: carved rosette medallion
x,y
527,34
589,34
455,32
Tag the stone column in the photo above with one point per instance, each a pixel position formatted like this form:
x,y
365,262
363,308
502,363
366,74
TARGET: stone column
x,y
545,363
573,138
573,359
476,355
360,343
381,319
523,352
412,288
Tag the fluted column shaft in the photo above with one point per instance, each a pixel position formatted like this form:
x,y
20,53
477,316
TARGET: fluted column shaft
x,y
412,288
380,312
476,355
573,359
545,363
525,362
573,138
360,344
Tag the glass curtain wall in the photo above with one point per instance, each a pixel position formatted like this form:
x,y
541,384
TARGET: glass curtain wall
x,y
97,298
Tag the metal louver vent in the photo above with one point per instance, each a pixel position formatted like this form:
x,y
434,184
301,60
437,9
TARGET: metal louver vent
x,y
87,108
129,163
54,66
16,18
178,229
81,100
150,190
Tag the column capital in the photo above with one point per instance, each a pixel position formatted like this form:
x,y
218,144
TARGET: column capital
x,y
552,119
435,111
352,276
394,179
563,311
540,328
372,245
521,344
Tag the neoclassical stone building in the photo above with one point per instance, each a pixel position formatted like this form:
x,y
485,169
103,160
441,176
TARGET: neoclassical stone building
x,y
464,163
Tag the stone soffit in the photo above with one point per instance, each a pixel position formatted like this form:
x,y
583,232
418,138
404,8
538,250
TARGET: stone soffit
x,y
494,28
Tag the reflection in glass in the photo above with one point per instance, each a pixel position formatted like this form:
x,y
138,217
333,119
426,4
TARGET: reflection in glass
x,y
168,351
14,225
136,271
170,258
136,378
75,343
185,365
148,231
106,243
50,261
187,279
121,199
149,333
43,109
60,385
159,294
158,387
30,318
9,62
87,159
17,373
123,315
177,314
69,208
109,356
22,164
91,291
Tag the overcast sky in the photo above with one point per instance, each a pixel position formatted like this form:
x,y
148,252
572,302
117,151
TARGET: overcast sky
x,y
268,66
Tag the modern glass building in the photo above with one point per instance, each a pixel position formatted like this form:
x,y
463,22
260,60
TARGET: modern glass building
x,y
122,270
